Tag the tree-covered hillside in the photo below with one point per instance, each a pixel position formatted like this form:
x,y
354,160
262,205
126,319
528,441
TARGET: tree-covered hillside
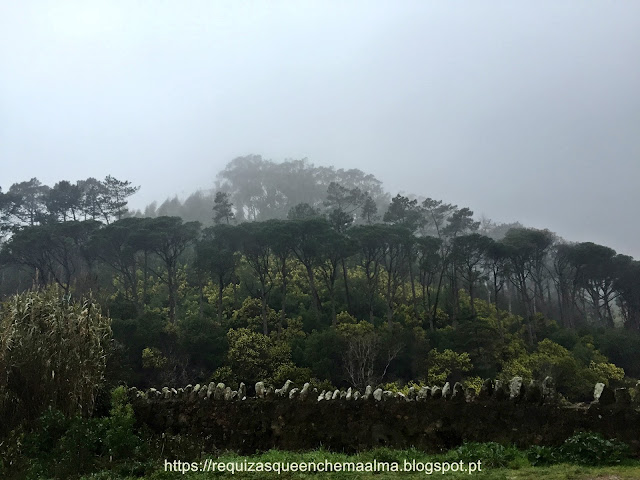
x,y
304,272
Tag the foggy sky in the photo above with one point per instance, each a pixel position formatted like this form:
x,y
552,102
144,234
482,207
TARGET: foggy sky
x,y
525,111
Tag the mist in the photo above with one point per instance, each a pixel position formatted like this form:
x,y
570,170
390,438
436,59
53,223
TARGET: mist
x,y
523,112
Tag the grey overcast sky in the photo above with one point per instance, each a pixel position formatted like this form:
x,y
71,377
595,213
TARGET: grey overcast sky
x,y
521,110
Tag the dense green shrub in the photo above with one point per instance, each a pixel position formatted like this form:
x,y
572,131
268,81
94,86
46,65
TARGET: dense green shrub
x,y
582,449
593,449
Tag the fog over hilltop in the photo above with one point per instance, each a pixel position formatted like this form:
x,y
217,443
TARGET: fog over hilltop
x,y
521,111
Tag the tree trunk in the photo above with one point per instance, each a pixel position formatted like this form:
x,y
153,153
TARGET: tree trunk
x,y
346,285
314,291
171,284
265,320
220,291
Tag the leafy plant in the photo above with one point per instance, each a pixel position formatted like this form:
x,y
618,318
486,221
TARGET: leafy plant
x,y
593,449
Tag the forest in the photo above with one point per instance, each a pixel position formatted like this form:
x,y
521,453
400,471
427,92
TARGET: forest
x,y
311,272
293,272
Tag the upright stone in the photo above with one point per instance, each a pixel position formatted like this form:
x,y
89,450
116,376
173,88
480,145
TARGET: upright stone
x,y
194,391
286,388
260,390
377,394
458,393
304,393
368,392
349,395
242,391
227,393
210,389
356,395
218,395
549,394
515,389
293,393
423,394
336,394
446,391
328,395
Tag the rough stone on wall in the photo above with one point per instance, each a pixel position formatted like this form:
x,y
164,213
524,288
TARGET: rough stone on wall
x,y
423,394
446,391
368,392
242,391
218,394
549,394
603,395
284,391
458,394
304,393
516,388
377,394
210,389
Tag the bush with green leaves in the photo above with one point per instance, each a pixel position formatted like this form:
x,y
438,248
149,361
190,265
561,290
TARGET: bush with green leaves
x,y
541,455
593,449
446,365
583,449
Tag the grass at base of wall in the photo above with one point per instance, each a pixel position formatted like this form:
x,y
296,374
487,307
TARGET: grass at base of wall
x,y
555,472
506,467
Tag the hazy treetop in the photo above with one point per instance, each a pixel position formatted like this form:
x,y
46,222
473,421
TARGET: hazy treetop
x,y
523,111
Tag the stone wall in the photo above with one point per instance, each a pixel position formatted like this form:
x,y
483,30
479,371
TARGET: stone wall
x,y
433,419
